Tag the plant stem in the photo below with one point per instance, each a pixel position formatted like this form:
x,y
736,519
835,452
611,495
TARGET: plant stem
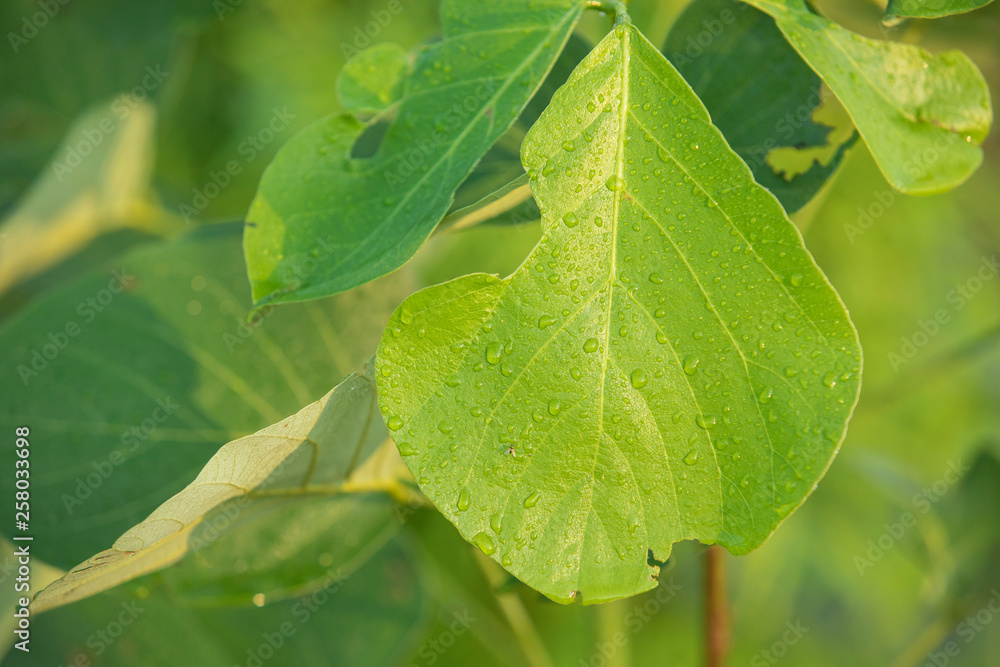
x,y
610,628
514,193
716,608
517,616
616,7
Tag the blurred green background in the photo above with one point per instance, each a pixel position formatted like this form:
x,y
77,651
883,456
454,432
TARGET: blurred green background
x,y
849,579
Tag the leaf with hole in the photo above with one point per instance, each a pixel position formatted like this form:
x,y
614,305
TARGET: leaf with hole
x,y
668,363
923,116
324,221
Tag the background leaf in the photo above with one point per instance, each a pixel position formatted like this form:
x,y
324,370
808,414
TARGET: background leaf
x,y
314,452
368,618
923,116
757,90
667,364
365,217
897,10
159,375
79,197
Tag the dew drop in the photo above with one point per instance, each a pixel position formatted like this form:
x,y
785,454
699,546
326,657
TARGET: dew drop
x,y
494,351
765,395
545,321
485,543
464,499
691,364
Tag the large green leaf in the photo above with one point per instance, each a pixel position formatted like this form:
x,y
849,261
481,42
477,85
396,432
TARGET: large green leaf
x,y
897,10
668,364
367,618
923,116
757,89
159,376
268,481
98,181
57,63
364,217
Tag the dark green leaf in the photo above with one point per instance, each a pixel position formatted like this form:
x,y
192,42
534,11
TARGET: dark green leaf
x,y
357,219
757,89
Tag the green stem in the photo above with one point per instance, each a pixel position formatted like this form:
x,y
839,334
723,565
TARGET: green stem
x,y
611,628
514,193
616,7
517,616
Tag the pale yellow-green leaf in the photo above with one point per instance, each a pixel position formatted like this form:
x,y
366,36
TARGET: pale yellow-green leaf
x,y
98,181
332,446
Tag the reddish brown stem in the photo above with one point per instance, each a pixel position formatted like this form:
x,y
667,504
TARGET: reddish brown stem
x,y
716,608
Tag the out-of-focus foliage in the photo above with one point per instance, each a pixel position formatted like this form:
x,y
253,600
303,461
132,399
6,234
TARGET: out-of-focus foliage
x,y
883,566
